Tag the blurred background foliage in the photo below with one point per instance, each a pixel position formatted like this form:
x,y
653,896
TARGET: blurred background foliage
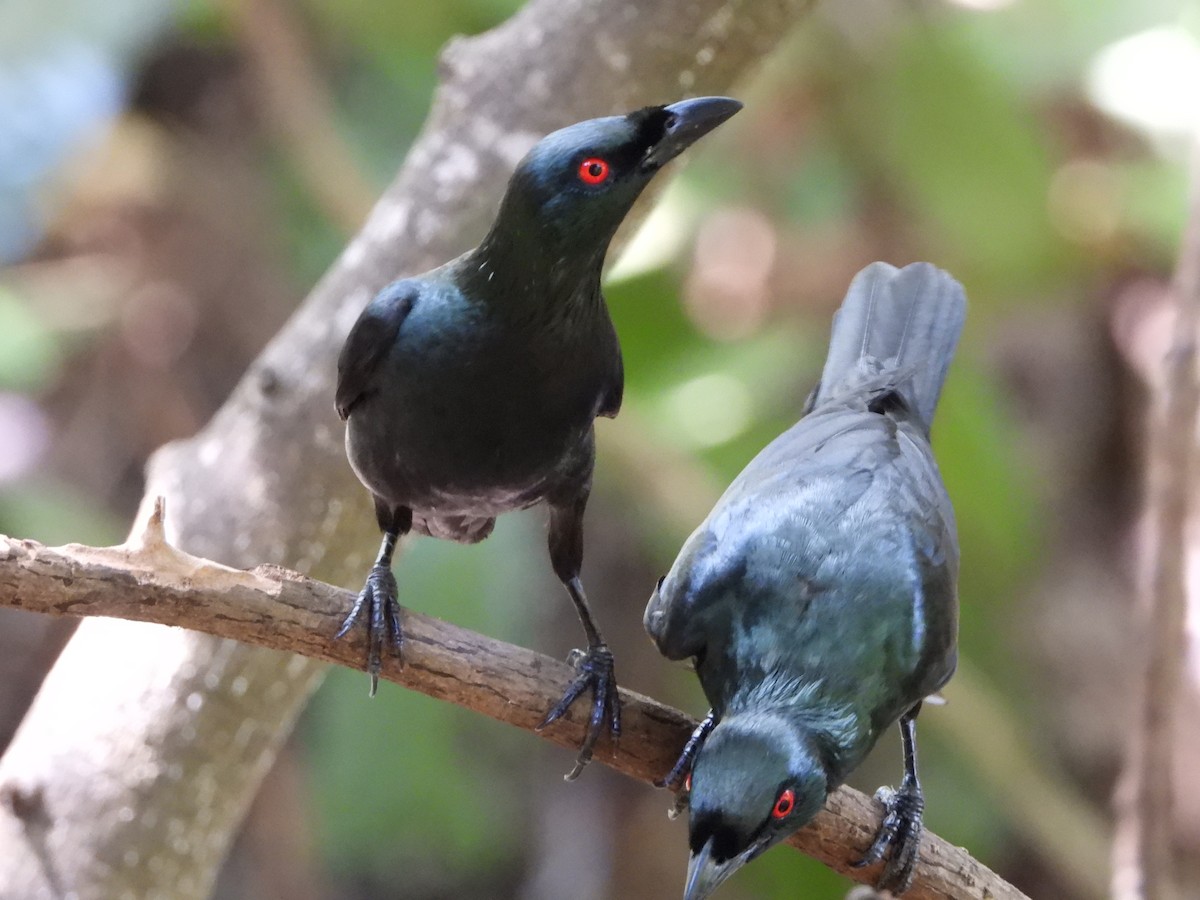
x,y
173,177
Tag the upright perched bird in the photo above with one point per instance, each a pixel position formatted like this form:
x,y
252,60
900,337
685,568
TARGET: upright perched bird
x,y
818,599
472,390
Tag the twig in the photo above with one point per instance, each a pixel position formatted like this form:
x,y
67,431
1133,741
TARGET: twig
x,y
151,581
1142,850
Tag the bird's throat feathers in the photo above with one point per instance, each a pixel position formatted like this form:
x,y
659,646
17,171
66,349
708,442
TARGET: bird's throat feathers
x,y
800,713
526,272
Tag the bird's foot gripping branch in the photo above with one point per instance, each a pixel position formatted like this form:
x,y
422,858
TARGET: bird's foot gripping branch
x,y
595,668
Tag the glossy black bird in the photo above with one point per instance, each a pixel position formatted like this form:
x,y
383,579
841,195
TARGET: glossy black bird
x,y
472,390
819,597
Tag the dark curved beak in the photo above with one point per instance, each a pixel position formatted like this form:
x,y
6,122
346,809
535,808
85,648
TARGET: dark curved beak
x,y
705,874
689,121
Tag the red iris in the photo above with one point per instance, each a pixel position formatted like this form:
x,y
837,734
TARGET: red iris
x,y
785,804
687,783
593,170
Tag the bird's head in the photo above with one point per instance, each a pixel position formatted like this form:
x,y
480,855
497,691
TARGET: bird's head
x,y
755,781
577,183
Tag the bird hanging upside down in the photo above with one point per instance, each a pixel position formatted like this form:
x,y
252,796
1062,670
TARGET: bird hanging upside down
x,y
819,599
471,390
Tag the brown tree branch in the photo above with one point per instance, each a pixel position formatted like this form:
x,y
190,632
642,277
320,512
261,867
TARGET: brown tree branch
x,y
1143,866
150,581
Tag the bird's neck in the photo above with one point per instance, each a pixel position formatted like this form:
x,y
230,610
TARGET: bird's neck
x,y
531,271
836,731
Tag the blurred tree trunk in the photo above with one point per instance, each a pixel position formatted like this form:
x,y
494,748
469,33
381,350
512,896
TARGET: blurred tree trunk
x,y
137,761
1144,846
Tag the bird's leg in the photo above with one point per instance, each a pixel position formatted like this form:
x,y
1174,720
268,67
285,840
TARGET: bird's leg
x,y
899,835
595,668
684,764
378,596
679,776
594,665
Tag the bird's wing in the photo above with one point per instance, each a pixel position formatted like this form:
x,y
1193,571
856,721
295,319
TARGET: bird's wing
x,y
614,390
676,616
774,491
368,343
769,535
871,531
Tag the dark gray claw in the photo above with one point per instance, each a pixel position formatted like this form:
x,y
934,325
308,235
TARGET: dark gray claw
x,y
898,840
378,598
595,674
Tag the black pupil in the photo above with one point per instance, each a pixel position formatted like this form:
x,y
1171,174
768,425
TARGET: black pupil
x,y
595,169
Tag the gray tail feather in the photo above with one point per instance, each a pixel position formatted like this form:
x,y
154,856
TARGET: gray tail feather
x,y
895,333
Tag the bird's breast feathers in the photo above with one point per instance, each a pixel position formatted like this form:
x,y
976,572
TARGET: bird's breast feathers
x,y
465,418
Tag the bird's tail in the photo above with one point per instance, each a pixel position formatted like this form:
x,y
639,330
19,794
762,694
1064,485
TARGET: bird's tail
x,y
894,335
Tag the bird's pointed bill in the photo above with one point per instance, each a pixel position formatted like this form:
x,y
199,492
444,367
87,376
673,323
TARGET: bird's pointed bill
x,y
706,874
689,121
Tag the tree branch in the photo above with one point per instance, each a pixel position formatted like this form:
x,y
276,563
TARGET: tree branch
x,y
150,581
1143,865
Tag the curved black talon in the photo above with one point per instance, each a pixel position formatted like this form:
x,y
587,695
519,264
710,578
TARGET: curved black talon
x,y
378,597
898,838
595,668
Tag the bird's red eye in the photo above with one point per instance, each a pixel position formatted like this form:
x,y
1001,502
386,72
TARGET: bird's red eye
x,y
593,170
785,804
687,783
